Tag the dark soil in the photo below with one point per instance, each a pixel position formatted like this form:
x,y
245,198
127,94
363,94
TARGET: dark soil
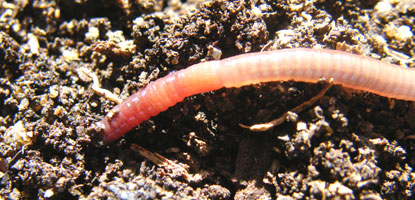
x,y
348,145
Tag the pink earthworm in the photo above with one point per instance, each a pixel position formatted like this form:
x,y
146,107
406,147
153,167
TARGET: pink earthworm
x,y
299,64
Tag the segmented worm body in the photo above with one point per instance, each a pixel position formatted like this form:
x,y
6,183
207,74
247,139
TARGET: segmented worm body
x,y
305,65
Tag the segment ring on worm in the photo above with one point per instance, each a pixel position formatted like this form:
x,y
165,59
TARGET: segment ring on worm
x,y
299,64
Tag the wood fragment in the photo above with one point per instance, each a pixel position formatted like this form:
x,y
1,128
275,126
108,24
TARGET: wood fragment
x,y
96,86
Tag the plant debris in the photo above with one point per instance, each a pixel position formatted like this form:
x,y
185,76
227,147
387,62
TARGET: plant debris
x,y
348,145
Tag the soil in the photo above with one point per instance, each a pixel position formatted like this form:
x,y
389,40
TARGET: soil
x,y
348,145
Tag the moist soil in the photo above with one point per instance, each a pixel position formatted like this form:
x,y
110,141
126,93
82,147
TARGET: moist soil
x,y
348,145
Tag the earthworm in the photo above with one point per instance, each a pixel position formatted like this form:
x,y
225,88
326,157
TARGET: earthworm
x,y
298,64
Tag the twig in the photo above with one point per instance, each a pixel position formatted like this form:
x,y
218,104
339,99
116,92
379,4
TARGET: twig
x,y
162,161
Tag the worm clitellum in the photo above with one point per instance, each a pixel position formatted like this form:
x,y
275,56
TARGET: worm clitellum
x,y
305,65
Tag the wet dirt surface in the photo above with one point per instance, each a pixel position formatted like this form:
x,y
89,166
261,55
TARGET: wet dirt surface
x,y
348,145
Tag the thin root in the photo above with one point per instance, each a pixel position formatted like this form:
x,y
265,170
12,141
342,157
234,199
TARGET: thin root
x,y
96,87
410,137
285,116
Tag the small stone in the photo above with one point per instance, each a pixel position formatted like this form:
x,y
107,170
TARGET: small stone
x,y
404,33
48,194
92,34
33,44
301,126
383,6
